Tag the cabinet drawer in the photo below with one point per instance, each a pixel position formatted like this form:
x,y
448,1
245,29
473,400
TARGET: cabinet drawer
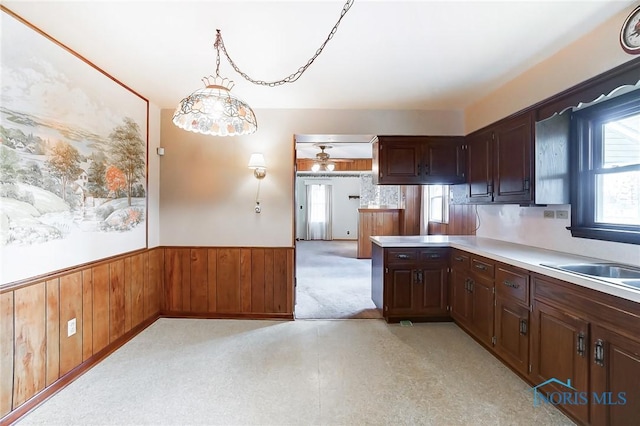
x,y
434,255
483,267
401,256
512,284
460,259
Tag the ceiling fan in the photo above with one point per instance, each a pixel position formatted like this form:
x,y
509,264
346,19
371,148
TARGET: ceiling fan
x,y
323,161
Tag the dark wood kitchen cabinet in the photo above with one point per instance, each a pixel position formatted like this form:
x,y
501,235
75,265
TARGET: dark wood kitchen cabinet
x,y
472,294
499,161
412,160
411,284
512,316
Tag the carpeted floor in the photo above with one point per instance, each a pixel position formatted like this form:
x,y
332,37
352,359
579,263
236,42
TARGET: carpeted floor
x,y
331,282
252,372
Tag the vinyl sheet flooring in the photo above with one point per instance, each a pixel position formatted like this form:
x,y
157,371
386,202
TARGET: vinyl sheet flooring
x,y
303,372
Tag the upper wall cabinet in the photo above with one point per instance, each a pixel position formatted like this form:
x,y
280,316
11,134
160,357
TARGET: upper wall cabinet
x,y
499,163
415,160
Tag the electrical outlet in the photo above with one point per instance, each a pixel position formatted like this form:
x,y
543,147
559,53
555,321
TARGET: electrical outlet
x,y
562,214
549,214
71,327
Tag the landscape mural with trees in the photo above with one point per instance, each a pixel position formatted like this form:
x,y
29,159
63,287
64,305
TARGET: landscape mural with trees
x,y
73,150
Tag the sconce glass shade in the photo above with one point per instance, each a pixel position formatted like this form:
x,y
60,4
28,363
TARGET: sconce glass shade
x,y
256,161
214,111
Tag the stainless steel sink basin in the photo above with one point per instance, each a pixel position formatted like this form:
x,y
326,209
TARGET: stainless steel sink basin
x,y
613,273
604,270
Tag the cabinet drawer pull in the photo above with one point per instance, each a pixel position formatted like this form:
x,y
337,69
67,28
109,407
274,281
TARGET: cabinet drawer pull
x,y
598,353
434,256
510,284
523,327
458,259
403,256
481,267
580,345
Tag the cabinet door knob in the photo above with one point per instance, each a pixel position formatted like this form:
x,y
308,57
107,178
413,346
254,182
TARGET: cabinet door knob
x,y
523,327
598,353
580,345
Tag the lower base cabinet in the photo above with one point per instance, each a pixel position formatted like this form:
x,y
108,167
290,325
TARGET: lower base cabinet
x,y
512,334
615,379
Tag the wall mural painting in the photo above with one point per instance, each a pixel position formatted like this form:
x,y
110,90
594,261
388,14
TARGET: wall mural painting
x,y
73,151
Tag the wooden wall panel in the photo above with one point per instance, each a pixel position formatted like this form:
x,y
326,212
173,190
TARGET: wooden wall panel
x,y
228,280
355,165
128,281
257,280
138,276
245,280
100,307
87,314
154,285
280,281
53,331
70,308
199,280
177,274
268,280
6,352
30,342
116,301
212,274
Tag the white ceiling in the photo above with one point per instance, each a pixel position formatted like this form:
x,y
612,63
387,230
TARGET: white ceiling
x,y
385,55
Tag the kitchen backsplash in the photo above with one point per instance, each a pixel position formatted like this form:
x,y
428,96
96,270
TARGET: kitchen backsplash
x,y
378,195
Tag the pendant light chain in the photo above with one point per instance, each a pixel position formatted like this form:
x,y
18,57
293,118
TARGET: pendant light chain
x,y
219,44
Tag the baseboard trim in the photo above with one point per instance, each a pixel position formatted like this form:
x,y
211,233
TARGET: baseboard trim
x,y
217,315
35,401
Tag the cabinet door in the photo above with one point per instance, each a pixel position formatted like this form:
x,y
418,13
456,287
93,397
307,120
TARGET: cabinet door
x,y
512,168
398,160
460,296
400,290
430,293
480,167
482,309
560,351
615,379
444,160
512,333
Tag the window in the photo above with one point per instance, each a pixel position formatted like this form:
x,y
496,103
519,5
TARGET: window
x,y
437,203
606,176
317,203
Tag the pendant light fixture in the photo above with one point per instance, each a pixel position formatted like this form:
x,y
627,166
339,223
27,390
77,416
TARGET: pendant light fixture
x,y
213,110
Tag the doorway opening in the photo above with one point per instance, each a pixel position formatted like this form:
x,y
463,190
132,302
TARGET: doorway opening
x,y
331,282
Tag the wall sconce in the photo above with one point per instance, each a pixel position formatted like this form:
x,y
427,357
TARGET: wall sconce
x,y
257,163
259,166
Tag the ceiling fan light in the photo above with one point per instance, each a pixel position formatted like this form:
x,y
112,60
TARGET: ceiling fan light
x,y
331,166
315,167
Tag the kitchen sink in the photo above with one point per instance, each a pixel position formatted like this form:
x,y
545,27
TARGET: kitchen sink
x,y
613,273
604,270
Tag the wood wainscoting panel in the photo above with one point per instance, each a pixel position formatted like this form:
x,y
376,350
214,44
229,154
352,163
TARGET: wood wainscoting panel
x,y
87,314
199,280
53,331
29,374
100,307
6,352
154,283
70,308
212,278
228,281
116,302
257,280
136,274
177,279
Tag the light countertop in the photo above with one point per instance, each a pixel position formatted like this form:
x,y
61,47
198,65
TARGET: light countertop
x,y
522,256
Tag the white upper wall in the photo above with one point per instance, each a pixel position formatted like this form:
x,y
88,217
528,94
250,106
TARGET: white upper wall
x,y
207,193
593,54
